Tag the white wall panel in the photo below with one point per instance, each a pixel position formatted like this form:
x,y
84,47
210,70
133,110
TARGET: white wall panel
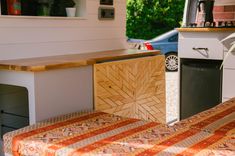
x,y
62,98
27,37
14,51
35,35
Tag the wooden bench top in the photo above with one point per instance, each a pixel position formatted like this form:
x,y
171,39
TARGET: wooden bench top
x,y
72,60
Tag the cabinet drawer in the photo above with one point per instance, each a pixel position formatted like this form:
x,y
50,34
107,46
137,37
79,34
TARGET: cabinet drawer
x,y
228,83
194,48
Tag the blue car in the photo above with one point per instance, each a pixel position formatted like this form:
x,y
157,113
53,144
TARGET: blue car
x,y
168,44
135,43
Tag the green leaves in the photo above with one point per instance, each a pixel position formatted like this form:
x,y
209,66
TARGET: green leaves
x,y
148,18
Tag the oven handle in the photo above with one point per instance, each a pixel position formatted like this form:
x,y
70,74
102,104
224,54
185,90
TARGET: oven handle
x,y
202,51
206,49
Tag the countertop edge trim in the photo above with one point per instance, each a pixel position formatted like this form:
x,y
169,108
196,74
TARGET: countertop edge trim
x,y
205,29
75,64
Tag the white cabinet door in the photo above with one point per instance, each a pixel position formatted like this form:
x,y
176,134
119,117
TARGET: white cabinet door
x,y
230,60
228,83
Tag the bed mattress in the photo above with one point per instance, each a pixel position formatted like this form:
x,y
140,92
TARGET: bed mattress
x,y
221,116
98,133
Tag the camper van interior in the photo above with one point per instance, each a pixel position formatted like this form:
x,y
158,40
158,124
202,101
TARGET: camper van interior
x,y
69,86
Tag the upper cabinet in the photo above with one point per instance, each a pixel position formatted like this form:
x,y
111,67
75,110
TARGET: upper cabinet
x,y
225,2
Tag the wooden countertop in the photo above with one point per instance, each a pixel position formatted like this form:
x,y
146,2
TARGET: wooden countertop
x,y
73,60
205,29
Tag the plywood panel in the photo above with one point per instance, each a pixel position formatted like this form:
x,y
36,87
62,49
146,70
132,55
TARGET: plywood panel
x,y
132,88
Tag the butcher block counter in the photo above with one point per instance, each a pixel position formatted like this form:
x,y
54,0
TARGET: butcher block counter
x,y
129,83
197,29
75,60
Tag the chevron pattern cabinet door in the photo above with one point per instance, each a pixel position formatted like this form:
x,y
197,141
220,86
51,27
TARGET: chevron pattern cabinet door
x,y
150,89
114,88
132,88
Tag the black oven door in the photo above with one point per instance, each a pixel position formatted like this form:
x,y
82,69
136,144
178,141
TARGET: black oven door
x,y
201,86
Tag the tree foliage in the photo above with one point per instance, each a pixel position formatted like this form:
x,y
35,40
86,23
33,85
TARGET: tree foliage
x,y
148,18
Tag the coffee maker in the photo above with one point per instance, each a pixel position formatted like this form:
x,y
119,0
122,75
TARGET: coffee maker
x,y
206,7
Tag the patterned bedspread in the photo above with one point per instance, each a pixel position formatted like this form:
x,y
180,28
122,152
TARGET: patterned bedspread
x,y
221,116
210,133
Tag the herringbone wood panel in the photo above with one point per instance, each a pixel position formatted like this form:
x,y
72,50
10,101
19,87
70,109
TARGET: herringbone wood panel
x,y
132,88
150,90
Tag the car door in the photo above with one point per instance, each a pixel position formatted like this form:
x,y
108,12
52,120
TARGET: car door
x,y
167,45
172,44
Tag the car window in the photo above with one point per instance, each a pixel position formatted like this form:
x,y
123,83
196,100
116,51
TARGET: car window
x,y
173,38
165,35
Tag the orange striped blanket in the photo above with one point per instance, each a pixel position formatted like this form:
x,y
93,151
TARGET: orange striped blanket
x,y
208,133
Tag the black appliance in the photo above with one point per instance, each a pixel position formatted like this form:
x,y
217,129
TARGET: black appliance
x,y
207,7
200,86
14,108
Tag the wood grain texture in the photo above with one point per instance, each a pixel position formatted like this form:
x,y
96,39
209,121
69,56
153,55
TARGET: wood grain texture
x,y
132,88
73,60
205,29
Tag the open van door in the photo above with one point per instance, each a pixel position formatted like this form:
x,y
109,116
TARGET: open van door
x,y
190,10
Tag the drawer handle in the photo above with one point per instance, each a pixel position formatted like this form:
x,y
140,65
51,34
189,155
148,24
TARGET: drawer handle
x,y
206,49
202,51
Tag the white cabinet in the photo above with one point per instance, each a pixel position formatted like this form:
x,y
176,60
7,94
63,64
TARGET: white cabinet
x,y
229,77
229,83
192,45
201,44
230,61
